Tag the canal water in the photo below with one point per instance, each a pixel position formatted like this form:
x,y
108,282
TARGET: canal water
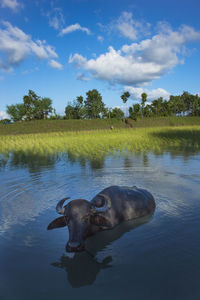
x,y
152,258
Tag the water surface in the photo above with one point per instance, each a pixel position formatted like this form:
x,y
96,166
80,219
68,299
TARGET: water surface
x,y
155,257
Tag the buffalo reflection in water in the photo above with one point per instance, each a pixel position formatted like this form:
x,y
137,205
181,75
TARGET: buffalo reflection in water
x,y
82,269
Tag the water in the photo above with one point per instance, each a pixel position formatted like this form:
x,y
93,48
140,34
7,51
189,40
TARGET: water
x,y
154,258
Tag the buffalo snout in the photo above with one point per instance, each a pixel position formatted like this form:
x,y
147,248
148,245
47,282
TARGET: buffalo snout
x,y
76,233
74,247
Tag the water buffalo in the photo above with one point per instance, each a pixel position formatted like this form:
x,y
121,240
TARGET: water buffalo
x,y
74,265
107,209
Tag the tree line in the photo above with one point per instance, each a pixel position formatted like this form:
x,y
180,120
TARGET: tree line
x,y
185,104
92,107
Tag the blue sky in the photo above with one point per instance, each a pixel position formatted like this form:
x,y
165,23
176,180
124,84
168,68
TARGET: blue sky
x,y
61,49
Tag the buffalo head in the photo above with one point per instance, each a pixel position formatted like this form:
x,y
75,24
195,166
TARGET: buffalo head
x,y
83,219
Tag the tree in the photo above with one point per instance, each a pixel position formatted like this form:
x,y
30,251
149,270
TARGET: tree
x,y
144,99
44,107
79,99
41,108
33,107
106,113
17,112
157,106
5,121
134,112
80,110
94,104
165,109
196,106
125,97
30,104
37,107
186,100
147,111
75,110
69,112
117,113
176,104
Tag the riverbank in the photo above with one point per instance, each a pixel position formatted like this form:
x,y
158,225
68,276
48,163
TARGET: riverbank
x,y
50,126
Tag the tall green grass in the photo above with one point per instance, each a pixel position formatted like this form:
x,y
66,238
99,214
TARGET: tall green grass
x,y
95,144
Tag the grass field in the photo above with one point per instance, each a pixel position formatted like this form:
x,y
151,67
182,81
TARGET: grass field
x,y
49,126
102,142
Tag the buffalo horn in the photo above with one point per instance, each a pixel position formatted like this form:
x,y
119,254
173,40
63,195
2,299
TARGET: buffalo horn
x,y
59,207
105,207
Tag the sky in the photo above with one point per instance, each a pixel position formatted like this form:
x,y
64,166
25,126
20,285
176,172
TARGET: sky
x,y
63,48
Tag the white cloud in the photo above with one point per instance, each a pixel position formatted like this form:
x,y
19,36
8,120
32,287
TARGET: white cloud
x,y
42,50
73,28
12,4
56,65
127,26
55,22
3,115
78,59
151,94
17,45
140,63
56,18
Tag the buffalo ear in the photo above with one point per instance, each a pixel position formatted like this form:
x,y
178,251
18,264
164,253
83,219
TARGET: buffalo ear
x,y
100,221
58,222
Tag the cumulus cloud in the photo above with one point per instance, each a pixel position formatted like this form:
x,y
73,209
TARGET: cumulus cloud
x,y
55,64
14,5
74,27
3,115
140,63
16,46
151,94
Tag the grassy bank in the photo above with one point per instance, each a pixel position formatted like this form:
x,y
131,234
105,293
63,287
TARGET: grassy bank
x,y
49,126
100,143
